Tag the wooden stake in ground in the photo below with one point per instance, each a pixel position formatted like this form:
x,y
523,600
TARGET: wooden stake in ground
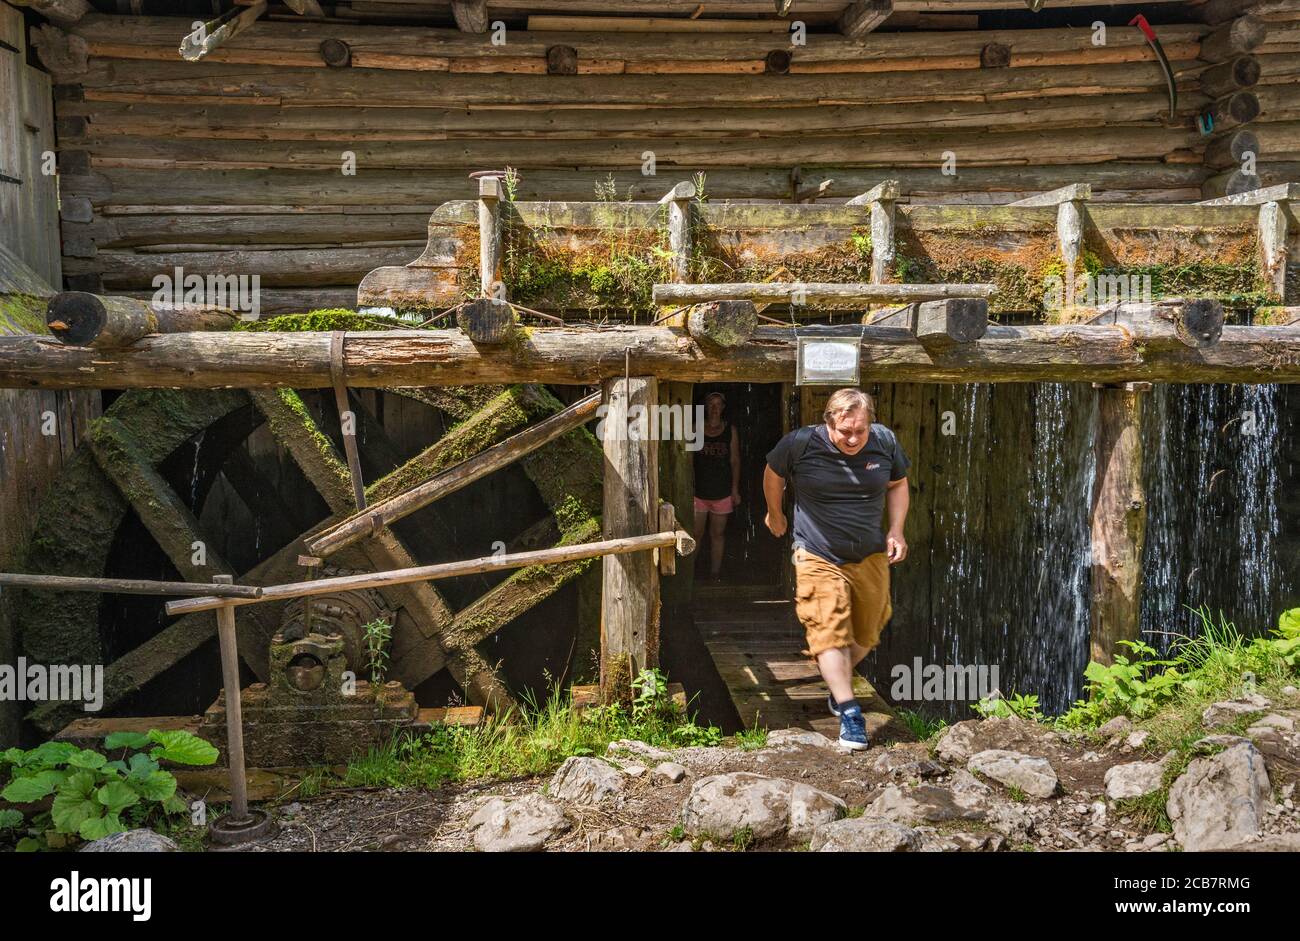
x,y
1119,519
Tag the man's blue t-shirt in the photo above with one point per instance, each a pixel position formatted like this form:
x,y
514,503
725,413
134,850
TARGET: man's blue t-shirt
x,y
840,498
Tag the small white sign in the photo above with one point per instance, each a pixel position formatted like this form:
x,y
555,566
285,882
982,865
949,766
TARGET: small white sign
x,y
824,361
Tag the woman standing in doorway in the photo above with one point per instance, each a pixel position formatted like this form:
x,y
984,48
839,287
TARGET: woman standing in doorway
x,y
717,480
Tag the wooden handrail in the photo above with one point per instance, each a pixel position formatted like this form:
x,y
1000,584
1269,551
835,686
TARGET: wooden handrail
x,y
682,541
128,586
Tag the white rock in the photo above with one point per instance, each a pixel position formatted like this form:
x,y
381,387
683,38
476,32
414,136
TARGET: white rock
x,y
864,835
634,771
1032,775
641,749
520,825
670,772
722,805
1135,779
1137,739
132,841
788,738
1220,801
586,780
1228,711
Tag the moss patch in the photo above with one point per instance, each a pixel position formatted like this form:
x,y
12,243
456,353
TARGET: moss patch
x,y
323,320
23,313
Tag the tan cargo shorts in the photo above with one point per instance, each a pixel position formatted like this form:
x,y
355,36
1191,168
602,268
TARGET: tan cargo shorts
x,y
840,604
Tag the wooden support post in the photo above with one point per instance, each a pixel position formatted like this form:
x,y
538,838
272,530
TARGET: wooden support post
x,y
1119,515
629,614
81,319
489,237
863,16
678,200
234,711
1069,202
1273,247
881,199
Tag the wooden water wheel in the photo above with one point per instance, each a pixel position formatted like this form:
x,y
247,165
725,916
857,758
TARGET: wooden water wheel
x,y
117,472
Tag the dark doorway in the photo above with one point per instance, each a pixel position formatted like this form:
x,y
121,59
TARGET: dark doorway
x,y
752,556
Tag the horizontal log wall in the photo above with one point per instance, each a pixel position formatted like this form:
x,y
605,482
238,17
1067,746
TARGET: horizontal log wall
x,y
234,165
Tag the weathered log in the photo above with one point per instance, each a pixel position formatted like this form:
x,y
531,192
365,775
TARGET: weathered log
x,y
817,294
1231,149
471,15
959,320
1119,514
1197,323
1230,183
487,320
1065,194
723,324
1258,196
995,56
1233,39
679,540
335,53
499,455
777,62
574,356
1236,109
561,60
81,319
1228,77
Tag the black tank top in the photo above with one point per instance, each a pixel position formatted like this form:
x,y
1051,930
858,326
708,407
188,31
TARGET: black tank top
x,y
713,466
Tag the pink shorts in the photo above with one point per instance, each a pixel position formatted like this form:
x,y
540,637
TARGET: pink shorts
x,y
713,506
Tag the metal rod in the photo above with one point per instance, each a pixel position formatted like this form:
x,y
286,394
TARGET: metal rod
x,y
234,712
683,541
127,586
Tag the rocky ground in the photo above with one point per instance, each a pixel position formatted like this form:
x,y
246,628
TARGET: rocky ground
x,y
982,785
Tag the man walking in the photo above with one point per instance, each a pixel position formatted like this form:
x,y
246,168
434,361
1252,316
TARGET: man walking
x,y
847,473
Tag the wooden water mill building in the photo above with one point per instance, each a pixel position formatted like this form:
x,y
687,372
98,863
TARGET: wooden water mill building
x,y
454,240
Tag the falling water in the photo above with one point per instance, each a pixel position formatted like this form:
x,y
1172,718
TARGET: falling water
x,y
1214,477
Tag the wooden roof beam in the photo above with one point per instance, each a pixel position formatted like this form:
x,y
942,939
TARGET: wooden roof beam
x,y
215,33
863,16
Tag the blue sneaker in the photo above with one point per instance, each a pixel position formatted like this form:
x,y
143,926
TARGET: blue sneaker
x,y
832,705
853,730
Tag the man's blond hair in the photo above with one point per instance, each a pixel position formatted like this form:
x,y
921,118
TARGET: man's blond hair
x,y
844,401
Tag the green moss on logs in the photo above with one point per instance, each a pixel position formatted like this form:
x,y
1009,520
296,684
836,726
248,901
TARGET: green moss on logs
x,y
22,313
324,320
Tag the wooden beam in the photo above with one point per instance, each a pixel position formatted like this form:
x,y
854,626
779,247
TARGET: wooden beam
x,y
863,16
487,320
576,356
651,24
1230,150
213,34
881,200
1119,516
1075,192
680,540
1282,192
81,319
817,294
629,612
957,320
1197,323
1228,77
489,237
499,455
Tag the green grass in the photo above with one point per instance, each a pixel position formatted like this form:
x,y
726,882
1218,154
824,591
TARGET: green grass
x,y
921,725
532,742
